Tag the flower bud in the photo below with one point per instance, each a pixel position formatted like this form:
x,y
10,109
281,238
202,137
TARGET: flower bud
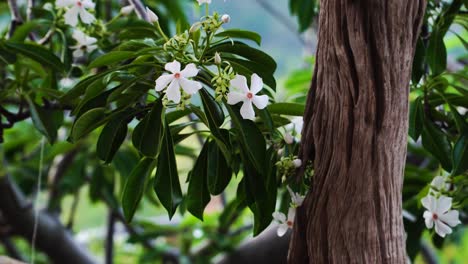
x,y
48,6
288,138
280,152
297,163
152,17
217,58
225,18
195,27
126,10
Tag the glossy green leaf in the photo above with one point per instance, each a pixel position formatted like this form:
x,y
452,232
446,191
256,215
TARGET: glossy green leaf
x,y
197,194
437,53
149,132
218,170
39,54
135,186
112,136
86,123
242,34
460,155
438,144
112,58
416,118
166,182
292,109
43,120
213,110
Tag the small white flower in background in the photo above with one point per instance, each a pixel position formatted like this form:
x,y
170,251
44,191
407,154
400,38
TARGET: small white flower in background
x,y
217,58
241,93
77,8
201,2
284,223
177,79
440,183
126,10
296,198
67,82
196,26
226,18
86,44
295,125
48,6
297,163
288,138
152,17
438,214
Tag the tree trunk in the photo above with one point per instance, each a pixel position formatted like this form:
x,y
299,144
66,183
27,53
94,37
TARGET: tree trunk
x,y
355,131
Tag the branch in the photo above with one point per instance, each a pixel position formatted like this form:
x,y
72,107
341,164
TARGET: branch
x,y
16,19
10,248
110,238
52,237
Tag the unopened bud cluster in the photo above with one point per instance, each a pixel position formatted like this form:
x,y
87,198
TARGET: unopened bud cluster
x,y
221,82
287,166
178,42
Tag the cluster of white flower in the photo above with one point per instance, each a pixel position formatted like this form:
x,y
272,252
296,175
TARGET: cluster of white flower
x,y
284,222
438,213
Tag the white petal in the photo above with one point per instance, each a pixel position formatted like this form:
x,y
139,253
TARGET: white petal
x,y
173,67
152,17
280,217
64,3
429,202
428,219
90,40
450,218
79,36
189,71
173,91
443,205
240,82
71,16
282,229
247,111
291,214
189,86
438,183
86,17
260,101
298,122
88,4
163,81
235,97
442,229
77,53
256,83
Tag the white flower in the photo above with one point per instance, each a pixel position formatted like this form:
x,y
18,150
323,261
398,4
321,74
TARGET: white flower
x,y
440,183
296,198
225,18
126,10
438,214
246,96
201,2
295,125
297,163
152,17
75,8
86,44
288,138
217,58
284,223
177,79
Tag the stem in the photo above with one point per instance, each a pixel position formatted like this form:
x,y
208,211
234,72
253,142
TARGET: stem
x,y
110,237
158,27
16,19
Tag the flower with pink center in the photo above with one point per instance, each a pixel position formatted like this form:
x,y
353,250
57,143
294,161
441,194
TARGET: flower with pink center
x,y
284,223
240,92
77,8
177,79
439,215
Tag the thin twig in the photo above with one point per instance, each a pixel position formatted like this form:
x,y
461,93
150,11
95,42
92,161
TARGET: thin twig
x,y
109,258
16,19
11,248
29,10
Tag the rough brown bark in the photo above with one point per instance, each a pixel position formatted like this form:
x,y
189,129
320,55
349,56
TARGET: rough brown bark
x,y
355,131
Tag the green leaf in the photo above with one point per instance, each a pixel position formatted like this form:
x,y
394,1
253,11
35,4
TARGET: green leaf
x,y
416,118
460,122
135,186
418,62
166,182
149,132
213,111
460,155
197,194
437,53
111,58
43,120
292,109
86,123
242,34
112,136
39,54
438,144
218,170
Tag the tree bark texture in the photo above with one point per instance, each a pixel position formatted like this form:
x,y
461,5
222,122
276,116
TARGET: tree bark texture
x,y
355,132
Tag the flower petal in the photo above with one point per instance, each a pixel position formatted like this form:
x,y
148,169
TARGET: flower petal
x,y
86,16
189,86
79,36
256,83
163,81
235,97
260,101
64,3
90,40
282,229
173,67
280,217
189,71
71,16
442,229
443,204
90,48
88,4
450,218
77,53
173,91
429,202
247,111
428,219
240,82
